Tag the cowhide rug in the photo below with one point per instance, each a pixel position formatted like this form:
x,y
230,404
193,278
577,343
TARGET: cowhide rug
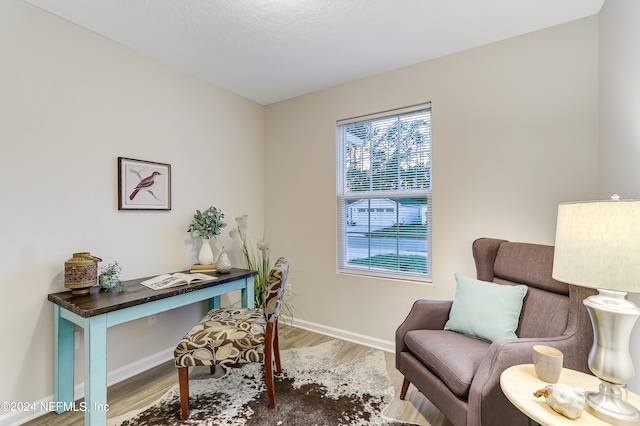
x,y
312,390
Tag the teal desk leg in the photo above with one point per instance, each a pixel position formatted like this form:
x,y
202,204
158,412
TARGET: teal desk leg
x,y
248,297
95,371
62,361
214,303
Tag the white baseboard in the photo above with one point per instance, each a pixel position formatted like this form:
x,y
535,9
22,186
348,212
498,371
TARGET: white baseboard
x,y
137,367
16,418
372,342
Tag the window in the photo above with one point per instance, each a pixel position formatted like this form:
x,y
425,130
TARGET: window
x,y
384,194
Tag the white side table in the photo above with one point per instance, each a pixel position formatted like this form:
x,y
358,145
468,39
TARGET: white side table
x,y
519,382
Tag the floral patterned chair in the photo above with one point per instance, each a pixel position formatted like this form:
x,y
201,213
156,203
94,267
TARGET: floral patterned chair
x,y
235,336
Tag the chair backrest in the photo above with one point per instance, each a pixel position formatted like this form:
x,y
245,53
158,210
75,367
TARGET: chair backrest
x,y
551,308
274,291
545,311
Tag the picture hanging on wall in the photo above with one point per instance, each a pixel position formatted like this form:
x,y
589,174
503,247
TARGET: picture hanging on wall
x,y
143,185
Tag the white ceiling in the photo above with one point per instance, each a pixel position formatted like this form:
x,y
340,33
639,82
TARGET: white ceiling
x,y
270,50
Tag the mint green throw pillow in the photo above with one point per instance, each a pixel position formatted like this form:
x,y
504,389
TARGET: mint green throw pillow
x,y
485,310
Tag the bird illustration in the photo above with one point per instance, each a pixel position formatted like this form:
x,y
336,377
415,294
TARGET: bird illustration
x,y
146,183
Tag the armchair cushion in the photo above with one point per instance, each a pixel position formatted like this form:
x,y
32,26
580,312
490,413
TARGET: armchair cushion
x,y
452,356
485,310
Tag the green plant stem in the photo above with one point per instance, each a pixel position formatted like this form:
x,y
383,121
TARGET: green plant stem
x,y
256,260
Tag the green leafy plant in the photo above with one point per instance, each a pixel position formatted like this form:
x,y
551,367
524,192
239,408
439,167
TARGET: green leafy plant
x,y
109,277
207,224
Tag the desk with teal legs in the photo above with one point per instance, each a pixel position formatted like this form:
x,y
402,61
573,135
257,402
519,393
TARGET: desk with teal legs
x,y
100,310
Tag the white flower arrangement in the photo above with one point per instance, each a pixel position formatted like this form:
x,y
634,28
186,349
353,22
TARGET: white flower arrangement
x,y
257,259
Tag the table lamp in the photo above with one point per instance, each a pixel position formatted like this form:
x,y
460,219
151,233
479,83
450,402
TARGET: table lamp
x,y
598,246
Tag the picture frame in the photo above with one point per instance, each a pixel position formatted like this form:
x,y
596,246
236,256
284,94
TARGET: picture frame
x,y
143,185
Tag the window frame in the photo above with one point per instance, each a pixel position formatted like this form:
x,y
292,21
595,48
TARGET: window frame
x,y
343,195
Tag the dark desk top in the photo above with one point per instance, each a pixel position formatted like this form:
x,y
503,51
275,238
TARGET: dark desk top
x,y
99,302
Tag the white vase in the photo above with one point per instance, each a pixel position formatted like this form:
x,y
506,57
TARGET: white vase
x,y
205,256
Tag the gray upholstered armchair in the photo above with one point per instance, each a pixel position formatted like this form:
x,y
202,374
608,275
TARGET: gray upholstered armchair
x,y
459,374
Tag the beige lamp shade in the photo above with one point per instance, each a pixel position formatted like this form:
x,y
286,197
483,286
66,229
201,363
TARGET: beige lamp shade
x,y
598,245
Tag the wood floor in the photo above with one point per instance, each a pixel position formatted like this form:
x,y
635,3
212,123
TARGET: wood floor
x,y
141,390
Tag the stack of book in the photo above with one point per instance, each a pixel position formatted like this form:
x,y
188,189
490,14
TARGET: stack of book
x,y
203,268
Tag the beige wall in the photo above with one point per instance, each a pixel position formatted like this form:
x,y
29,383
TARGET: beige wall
x,y
620,115
515,132
620,98
71,102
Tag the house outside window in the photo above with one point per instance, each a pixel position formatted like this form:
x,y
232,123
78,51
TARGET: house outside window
x,y
384,194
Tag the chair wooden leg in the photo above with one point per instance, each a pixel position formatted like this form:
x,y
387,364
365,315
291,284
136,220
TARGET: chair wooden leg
x,y
268,366
276,350
405,387
270,382
183,387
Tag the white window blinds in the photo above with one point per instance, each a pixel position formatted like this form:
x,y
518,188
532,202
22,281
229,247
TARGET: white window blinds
x,y
384,193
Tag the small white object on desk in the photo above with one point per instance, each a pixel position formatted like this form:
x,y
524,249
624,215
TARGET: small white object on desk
x,y
224,263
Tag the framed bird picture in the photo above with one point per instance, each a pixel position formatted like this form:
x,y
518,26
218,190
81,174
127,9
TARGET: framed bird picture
x,y
143,185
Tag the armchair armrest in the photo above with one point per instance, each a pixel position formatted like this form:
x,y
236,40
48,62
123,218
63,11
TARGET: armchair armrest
x,y
485,390
424,315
